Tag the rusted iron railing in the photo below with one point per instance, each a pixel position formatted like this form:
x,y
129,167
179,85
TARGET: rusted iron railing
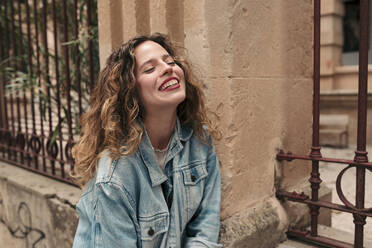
x,y
47,70
360,161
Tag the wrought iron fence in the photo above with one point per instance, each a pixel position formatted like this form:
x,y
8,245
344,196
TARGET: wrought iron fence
x,y
360,161
48,52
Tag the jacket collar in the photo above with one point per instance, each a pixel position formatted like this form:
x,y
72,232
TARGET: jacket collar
x,y
157,176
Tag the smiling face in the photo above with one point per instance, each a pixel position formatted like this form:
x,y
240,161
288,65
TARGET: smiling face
x,y
160,81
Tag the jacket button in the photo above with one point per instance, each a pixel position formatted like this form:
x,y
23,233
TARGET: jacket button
x,y
193,178
151,232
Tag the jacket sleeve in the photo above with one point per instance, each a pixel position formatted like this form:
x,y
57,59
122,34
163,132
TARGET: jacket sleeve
x,y
114,218
112,225
83,236
203,229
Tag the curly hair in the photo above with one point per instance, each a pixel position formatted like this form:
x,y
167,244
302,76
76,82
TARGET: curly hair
x,y
112,121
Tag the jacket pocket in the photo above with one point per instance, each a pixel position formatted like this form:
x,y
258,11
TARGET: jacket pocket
x,y
193,175
194,180
153,229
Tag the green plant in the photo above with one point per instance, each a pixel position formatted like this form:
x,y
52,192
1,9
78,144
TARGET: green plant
x,y
49,91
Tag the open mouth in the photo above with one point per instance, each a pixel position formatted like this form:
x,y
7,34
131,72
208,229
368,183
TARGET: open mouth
x,y
168,84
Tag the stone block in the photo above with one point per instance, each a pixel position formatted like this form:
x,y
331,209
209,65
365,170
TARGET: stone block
x,y
299,214
270,39
258,128
260,226
330,58
332,7
264,224
331,30
326,83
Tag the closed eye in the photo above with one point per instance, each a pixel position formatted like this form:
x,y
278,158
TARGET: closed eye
x,y
149,70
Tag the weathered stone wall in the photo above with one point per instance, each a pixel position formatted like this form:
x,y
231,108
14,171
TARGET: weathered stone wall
x,y
35,211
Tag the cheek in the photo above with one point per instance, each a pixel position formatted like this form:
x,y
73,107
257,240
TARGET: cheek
x,y
142,85
179,72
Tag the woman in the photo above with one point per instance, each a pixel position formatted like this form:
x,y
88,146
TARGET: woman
x,y
153,173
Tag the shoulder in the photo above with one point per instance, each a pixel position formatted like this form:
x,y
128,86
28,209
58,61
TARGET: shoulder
x,y
114,179
116,171
203,140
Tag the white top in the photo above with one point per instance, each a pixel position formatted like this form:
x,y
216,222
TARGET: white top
x,y
161,154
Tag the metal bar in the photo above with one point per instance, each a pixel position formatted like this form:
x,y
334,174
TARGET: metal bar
x,y
361,154
315,149
47,79
31,72
68,83
316,93
39,83
290,157
15,63
7,31
46,58
305,199
55,31
16,68
77,54
319,240
21,61
3,103
363,77
23,68
90,45
67,68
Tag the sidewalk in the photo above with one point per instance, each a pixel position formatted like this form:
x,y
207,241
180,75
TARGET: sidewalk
x,y
329,173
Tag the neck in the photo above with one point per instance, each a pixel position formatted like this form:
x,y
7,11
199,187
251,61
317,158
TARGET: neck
x,y
160,128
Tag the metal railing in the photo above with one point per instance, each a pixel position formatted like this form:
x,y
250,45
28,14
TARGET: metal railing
x,y
360,161
47,70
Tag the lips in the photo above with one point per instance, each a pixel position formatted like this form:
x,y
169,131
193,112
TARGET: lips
x,y
169,82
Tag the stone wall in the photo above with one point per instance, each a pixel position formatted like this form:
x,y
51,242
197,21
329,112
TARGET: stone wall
x,y
35,211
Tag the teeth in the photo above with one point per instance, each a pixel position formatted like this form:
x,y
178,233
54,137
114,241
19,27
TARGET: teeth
x,y
168,84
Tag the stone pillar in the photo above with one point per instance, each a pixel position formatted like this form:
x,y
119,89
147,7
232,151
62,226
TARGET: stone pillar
x,y
257,65
332,12
255,60
120,20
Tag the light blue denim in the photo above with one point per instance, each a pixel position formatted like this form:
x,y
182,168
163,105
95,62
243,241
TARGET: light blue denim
x,y
124,204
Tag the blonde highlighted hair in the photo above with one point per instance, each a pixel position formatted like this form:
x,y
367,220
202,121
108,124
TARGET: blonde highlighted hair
x,y
112,121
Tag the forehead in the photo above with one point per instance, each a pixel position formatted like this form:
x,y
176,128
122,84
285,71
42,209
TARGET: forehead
x,y
149,50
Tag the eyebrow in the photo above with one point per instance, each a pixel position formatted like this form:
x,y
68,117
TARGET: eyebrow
x,y
163,57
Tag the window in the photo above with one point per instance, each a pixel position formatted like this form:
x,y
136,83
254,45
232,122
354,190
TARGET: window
x,y
351,26
351,22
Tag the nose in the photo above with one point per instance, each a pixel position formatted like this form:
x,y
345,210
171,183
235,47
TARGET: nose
x,y
167,68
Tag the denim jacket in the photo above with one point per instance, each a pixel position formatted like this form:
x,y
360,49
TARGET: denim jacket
x,y
132,202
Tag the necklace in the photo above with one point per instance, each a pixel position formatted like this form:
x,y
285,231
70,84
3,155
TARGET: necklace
x,y
161,150
161,155
164,149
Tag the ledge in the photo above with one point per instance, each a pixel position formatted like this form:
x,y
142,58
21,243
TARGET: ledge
x,y
345,70
349,69
39,184
342,98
